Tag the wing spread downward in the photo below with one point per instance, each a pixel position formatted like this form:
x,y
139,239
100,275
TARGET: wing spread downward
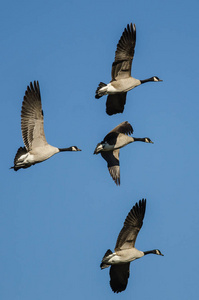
x,y
132,226
112,158
32,118
115,103
121,67
119,275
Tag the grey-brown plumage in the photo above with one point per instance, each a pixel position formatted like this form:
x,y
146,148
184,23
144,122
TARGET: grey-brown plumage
x,y
125,250
121,67
122,81
32,126
132,225
113,141
32,119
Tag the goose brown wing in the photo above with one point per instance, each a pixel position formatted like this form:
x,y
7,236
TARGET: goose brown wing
x,y
121,67
132,226
112,158
32,121
124,127
119,275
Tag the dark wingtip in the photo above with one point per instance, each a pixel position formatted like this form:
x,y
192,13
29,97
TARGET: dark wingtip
x,y
142,204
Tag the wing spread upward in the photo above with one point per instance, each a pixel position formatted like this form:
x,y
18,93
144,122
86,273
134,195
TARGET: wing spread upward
x,y
121,67
132,226
112,158
32,122
124,127
119,275
115,103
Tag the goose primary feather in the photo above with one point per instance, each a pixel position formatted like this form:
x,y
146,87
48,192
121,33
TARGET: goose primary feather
x,y
122,81
125,251
36,147
113,141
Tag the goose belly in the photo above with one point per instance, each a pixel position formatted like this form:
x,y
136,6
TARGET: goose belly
x,y
36,156
42,153
122,85
124,256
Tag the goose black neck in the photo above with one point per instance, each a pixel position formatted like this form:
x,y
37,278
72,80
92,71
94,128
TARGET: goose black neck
x,y
150,252
139,139
147,80
65,149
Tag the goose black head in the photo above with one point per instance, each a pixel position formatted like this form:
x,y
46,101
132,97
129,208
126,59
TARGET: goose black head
x,y
98,148
148,140
158,252
74,148
155,78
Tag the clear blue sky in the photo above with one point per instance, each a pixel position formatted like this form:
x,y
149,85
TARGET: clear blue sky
x,y
58,218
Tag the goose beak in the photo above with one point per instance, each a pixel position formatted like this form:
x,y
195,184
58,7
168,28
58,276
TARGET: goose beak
x,y
160,80
151,142
79,149
96,151
98,148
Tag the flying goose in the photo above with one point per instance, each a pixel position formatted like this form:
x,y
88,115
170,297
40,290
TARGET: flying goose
x,y
121,82
113,141
125,252
36,147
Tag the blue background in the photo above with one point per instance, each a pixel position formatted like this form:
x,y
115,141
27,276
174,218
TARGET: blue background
x,y
58,218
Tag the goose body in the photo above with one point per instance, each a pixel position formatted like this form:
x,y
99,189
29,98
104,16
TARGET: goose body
x,y
36,147
123,256
120,86
111,145
125,251
122,81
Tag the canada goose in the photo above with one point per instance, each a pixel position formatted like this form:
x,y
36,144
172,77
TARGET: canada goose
x,y
36,147
125,252
121,82
113,141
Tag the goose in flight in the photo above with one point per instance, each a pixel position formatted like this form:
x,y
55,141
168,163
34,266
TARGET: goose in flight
x,y
125,250
110,147
121,82
36,147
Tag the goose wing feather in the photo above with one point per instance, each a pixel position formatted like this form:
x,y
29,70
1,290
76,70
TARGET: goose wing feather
x,y
119,275
121,67
112,158
132,225
115,103
32,121
124,127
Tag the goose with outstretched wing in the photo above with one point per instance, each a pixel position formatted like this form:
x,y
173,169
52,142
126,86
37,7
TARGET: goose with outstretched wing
x,y
36,147
122,81
125,251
